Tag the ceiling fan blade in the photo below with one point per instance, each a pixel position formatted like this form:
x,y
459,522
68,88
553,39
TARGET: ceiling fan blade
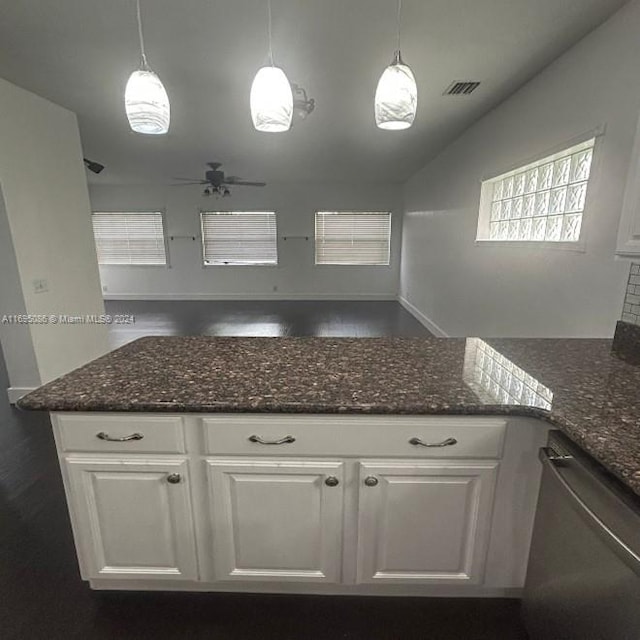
x,y
246,183
188,179
186,184
214,165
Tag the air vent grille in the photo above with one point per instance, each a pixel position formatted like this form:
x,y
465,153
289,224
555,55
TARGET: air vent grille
x,y
461,88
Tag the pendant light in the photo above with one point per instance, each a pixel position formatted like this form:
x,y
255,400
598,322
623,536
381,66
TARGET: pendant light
x,y
396,99
271,96
145,98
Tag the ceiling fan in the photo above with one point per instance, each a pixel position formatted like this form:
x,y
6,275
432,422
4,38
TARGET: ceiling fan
x,y
216,183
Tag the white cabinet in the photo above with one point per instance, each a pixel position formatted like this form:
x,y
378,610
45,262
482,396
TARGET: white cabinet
x,y
629,229
276,519
284,503
102,433
355,436
133,517
424,522
419,522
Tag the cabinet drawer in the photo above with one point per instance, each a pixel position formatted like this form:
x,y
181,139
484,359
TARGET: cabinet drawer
x,y
120,433
405,436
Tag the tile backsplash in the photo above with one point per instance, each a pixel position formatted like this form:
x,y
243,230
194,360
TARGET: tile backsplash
x,y
631,309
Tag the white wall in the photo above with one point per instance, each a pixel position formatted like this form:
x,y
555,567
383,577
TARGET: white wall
x,y
15,339
295,276
47,206
476,290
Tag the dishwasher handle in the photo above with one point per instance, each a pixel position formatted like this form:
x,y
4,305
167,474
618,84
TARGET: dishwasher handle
x,y
554,462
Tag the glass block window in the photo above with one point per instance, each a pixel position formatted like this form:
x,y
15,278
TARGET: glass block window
x,y
497,379
353,238
239,238
129,238
540,202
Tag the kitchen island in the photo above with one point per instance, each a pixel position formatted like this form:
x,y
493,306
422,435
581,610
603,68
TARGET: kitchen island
x,y
376,465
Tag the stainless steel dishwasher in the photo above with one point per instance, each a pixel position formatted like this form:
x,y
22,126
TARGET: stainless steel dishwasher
x,y
583,580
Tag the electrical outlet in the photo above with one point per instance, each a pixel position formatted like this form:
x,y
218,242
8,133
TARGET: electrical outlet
x,y
40,285
275,287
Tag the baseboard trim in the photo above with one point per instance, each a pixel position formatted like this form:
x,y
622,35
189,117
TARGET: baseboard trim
x,y
424,320
15,393
396,590
241,296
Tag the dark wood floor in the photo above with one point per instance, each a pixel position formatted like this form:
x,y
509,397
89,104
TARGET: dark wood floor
x,y
362,319
42,596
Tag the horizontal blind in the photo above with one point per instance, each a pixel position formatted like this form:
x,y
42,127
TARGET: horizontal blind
x,y
239,237
353,237
129,238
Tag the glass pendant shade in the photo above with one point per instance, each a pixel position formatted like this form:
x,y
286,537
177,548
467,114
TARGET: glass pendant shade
x,y
271,100
147,103
396,99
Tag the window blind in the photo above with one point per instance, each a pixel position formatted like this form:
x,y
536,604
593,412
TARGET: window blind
x,y
353,237
239,237
135,238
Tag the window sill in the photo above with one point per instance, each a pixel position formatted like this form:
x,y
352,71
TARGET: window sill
x,y
120,264
239,264
351,264
576,247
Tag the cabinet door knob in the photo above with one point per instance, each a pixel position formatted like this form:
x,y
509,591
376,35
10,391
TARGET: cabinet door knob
x,y
332,481
371,481
174,478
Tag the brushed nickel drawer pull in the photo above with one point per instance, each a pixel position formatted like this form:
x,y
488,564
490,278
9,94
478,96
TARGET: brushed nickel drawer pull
x,y
371,481
105,436
259,440
332,481
174,478
449,442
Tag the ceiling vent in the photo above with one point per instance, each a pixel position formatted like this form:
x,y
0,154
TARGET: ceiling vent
x,y
461,88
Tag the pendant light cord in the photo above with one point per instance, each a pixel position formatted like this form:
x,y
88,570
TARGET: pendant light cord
x,y
270,35
399,22
142,52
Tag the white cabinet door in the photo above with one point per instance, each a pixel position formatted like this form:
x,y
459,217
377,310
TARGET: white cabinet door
x,y
424,522
629,229
276,519
132,518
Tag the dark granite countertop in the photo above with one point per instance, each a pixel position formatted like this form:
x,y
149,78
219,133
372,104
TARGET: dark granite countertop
x,y
577,385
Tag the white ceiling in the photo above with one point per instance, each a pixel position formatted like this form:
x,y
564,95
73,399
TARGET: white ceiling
x,y
79,53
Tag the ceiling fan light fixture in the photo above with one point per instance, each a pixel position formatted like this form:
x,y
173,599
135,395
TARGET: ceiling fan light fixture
x,y
396,100
271,100
145,98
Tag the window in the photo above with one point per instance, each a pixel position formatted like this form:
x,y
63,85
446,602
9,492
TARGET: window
x,y
540,202
133,238
239,237
352,237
